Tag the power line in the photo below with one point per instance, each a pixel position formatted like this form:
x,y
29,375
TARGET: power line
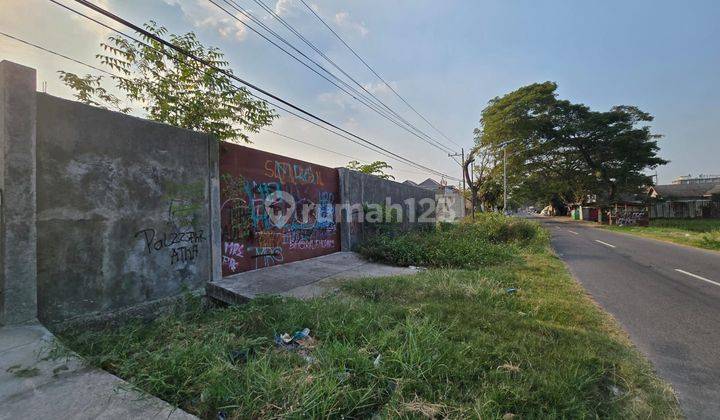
x,y
166,53
391,155
285,136
365,101
334,64
308,144
57,53
229,74
114,75
375,73
295,114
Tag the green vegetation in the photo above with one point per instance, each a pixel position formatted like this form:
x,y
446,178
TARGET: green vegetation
x,y
512,338
700,233
491,239
558,151
173,88
376,168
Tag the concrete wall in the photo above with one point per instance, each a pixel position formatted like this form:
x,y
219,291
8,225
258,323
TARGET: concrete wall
x,y
18,281
123,209
359,188
252,239
102,213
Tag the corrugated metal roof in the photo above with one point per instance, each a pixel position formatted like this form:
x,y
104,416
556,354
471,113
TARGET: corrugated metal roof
x,y
683,190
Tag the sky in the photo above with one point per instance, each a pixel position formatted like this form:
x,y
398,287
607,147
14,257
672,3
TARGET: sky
x,y
446,58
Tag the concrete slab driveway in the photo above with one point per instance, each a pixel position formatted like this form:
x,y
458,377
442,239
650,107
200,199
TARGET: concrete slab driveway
x,y
301,279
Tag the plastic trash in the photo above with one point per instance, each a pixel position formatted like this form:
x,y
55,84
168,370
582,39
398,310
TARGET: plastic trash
x,y
299,341
301,335
376,362
511,290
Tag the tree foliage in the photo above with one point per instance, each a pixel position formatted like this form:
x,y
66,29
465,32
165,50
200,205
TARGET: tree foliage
x,y
173,88
376,168
558,149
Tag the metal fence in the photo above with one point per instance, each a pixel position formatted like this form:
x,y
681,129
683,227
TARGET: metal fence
x,y
696,209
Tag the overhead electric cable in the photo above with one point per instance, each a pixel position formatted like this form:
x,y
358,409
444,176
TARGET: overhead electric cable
x,y
47,50
375,73
209,64
404,124
334,64
346,134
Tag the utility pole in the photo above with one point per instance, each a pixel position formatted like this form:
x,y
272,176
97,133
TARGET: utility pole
x,y
462,162
462,175
505,179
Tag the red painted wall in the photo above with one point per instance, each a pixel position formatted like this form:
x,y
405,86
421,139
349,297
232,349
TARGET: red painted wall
x,y
256,185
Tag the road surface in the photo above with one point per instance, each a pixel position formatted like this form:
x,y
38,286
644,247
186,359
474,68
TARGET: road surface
x,y
666,296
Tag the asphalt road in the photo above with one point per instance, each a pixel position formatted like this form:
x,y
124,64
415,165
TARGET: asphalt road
x,y
666,296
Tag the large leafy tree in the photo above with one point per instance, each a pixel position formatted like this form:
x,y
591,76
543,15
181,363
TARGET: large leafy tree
x,y
173,88
376,168
566,151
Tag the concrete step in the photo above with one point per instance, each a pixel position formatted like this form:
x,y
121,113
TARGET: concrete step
x,y
302,279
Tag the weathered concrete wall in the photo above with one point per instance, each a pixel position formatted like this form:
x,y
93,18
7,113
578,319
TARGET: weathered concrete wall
x,y
18,281
357,188
123,210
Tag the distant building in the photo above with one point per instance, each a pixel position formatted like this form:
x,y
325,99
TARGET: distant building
x,y
683,201
431,184
684,192
411,183
700,179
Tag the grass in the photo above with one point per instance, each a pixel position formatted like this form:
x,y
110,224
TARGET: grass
x,y
451,343
491,239
700,233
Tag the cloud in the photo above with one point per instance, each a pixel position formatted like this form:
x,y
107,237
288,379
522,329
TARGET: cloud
x,y
99,30
342,100
71,35
203,14
343,20
380,89
282,7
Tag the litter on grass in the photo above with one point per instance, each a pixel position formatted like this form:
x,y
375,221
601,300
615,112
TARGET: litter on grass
x,y
376,362
511,290
300,341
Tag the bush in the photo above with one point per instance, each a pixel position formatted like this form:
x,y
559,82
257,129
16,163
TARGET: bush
x,y
490,239
711,240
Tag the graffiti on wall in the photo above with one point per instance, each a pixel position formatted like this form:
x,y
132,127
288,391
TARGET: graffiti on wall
x,y
179,237
631,218
274,210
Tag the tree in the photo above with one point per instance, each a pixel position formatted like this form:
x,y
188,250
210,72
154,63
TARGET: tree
x,y
482,161
567,151
173,88
376,168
